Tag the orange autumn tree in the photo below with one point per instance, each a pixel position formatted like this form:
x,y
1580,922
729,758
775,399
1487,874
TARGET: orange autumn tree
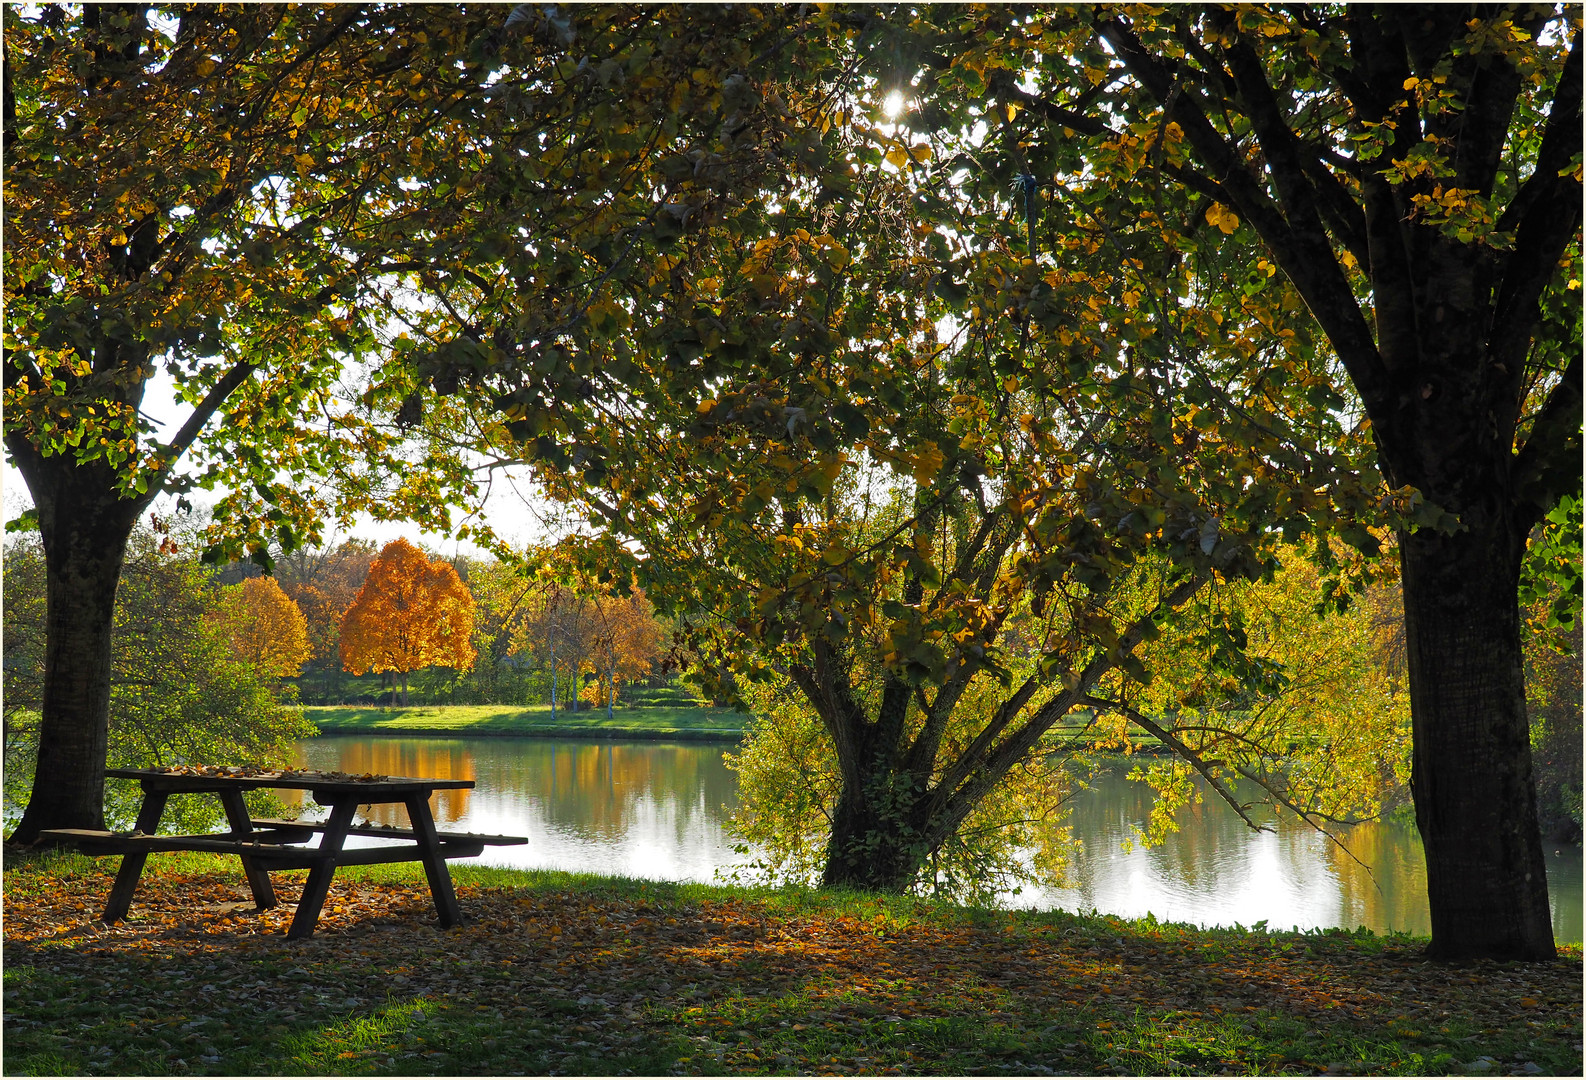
x,y
411,613
266,628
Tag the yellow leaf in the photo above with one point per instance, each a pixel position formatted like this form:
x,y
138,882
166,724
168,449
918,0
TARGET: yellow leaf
x,y
898,156
927,462
1222,217
832,251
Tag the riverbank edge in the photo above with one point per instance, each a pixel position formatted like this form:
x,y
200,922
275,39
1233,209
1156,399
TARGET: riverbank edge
x,y
599,734
634,723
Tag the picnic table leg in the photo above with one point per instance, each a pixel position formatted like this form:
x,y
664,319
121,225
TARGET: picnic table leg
x,y
440,877
242,823
319,875
132,863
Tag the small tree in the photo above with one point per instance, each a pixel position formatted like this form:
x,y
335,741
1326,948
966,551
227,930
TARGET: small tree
x,y
411,612
503,601
266,628
558,629
624,641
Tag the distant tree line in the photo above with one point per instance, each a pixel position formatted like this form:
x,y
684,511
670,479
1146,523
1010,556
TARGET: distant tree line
x,y
534,635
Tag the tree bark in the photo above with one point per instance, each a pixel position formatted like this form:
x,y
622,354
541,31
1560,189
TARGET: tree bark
x,y
875,844
1475,794
85,526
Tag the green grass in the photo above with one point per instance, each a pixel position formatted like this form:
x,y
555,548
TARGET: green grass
x,y
583,975
639,722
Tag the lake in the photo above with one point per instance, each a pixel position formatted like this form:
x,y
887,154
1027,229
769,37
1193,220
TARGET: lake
x,y
657,810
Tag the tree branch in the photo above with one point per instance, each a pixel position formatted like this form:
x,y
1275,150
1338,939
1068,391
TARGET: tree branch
x,y
202,412
1561,141
1549,221
1201,765
1304,254
984,762
1549,464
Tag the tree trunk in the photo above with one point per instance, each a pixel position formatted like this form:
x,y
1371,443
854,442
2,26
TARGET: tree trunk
x,y
874,844
1475,795
404,677
85,528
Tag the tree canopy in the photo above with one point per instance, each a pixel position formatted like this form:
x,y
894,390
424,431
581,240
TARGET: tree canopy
x,y
266,628
863,432
210,198
1100,283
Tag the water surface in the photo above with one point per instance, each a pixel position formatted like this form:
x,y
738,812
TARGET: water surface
x,y
658,810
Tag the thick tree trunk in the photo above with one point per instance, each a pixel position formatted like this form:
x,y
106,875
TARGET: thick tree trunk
x,y
84,527
874,844
1475,795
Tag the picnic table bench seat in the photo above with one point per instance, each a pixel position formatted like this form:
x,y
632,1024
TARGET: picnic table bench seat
x,y
390,832
271,847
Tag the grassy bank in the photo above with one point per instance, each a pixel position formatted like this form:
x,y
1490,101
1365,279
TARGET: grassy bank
x,y
639,722
563,974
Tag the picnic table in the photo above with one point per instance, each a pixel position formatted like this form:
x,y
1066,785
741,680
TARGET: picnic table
x,y
269,844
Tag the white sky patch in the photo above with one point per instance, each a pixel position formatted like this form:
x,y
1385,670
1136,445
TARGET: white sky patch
x,y
893,106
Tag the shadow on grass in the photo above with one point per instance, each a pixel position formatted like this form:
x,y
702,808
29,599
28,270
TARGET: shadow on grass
x,y
576,974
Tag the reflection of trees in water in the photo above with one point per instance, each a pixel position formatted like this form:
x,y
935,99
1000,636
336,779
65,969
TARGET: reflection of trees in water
x,y
1206,846
595,792
1397,897
1213,853
590,789
432,759
602,789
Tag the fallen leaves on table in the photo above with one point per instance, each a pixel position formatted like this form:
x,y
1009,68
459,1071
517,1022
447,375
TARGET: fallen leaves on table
x,y
244,771
250,772
556,979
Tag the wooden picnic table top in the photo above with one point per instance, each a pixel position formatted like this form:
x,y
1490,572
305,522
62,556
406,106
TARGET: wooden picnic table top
x,y
333,786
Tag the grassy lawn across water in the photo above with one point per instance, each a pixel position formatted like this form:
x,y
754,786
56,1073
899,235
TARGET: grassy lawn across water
x,y
576,975
637,722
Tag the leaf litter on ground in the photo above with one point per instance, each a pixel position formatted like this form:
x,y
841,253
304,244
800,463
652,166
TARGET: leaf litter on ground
x,y
557,974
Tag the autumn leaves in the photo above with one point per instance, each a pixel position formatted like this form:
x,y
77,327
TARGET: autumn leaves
x,y
415,612
410,613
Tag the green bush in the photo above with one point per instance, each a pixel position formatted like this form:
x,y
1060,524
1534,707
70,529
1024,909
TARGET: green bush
x,y
177,694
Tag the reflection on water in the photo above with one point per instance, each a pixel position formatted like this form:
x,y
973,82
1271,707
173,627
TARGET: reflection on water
x,y
1216,871
656,810
652,810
